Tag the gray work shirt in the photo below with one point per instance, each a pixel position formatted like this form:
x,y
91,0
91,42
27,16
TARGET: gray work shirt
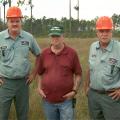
x,y
105,66
14,54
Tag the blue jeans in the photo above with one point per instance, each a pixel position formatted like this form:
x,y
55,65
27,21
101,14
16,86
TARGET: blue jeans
x,y
59,111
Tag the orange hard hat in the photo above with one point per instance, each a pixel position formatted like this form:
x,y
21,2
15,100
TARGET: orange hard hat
x,y
104,22
14,12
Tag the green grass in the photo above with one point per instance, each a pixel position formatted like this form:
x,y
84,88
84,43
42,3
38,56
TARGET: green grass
x,y
36,111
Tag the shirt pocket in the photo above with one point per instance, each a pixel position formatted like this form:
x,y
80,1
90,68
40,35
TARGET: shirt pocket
x,y
22,51
116,68
110,69
65,68
5,54
107,69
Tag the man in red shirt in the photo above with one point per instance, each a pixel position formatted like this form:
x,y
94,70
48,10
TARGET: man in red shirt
x,y
61,72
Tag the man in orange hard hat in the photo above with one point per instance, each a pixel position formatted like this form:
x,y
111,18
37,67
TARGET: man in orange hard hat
x,y
103,77
15,45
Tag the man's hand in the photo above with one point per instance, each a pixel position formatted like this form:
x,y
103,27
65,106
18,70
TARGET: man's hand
x,y
86,91
69,95
115,94
41,93
30,79
1,82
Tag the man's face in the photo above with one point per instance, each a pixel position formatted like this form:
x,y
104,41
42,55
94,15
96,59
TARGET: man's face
x,y
104,36
56,40
14,24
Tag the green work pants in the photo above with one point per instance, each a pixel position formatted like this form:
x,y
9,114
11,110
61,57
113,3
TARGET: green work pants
x,y
102,106
17,91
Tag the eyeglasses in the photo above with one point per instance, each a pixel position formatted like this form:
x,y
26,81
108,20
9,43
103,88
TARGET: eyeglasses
x,y
105,31
53,36
15,21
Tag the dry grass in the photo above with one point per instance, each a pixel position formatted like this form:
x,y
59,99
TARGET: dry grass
x,y
36,112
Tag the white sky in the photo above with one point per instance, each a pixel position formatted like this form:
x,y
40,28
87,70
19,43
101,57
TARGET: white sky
x,y
88,9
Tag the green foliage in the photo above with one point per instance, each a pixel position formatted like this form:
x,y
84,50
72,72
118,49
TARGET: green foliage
x,y
72,28
116,33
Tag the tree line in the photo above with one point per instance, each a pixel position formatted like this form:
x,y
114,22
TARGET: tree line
x,y
72,28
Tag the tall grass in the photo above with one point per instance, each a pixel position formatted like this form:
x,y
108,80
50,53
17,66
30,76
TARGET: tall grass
x,y
36,111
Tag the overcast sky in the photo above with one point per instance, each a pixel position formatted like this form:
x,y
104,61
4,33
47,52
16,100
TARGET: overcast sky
x,y
89,9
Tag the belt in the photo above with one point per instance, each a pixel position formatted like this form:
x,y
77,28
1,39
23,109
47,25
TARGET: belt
x,y
14,78
103,91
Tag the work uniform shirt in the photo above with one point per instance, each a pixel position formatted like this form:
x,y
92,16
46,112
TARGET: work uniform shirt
x,y
14,54
58,72
105,66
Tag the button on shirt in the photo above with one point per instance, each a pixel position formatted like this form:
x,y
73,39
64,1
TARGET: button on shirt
x,y
14,54
105,66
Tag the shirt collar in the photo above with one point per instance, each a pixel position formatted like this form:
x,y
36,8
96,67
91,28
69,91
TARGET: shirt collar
x,y
64,51
7,35
108,48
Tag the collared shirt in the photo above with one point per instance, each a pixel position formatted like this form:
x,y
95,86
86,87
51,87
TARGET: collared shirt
x,y
58,72
14,54
105,66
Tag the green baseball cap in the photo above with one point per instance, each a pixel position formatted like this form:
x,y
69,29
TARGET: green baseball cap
x,y
56,30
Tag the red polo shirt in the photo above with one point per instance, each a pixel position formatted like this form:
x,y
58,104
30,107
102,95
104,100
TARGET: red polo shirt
x,y
58,72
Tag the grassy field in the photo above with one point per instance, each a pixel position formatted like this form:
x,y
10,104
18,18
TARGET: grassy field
x,y
36,113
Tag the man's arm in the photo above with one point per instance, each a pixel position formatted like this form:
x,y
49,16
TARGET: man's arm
x,y
87,82
37,63
39,89
76,85
77,82
1,81
33,74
